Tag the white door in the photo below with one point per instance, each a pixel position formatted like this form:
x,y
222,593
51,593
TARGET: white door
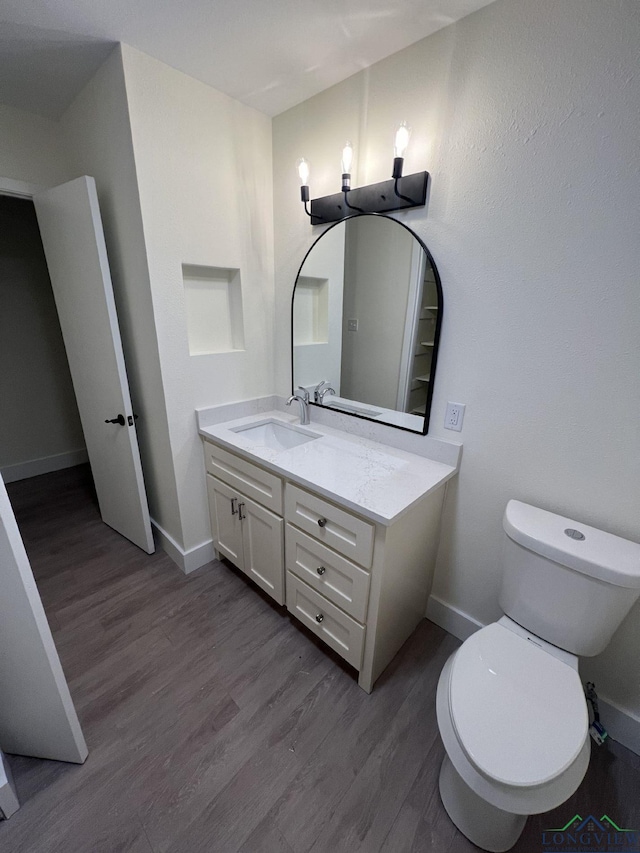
x,y
37,716
73,240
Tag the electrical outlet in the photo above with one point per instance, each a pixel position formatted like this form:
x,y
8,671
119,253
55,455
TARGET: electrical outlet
x,y
352,325
454,416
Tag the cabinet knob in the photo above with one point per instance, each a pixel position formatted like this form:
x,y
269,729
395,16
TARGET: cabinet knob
x,y
321,570
319,617
322,522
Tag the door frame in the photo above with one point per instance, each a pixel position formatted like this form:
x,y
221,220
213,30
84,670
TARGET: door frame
x,y
19,189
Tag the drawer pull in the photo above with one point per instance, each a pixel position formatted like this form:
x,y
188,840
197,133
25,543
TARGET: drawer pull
x,y
319,617
240,515
322,522
321,570
234,508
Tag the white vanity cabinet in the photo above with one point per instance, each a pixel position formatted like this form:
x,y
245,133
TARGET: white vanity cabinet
x,y
359,585
244,530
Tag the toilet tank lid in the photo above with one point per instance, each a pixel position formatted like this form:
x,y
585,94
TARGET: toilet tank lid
x,y
599,554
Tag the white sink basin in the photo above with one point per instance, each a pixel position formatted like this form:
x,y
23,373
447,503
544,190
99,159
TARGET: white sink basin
x,y
276,435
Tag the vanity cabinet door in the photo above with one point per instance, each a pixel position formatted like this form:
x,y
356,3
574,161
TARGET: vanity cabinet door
x,y
263,547
225,520
248,535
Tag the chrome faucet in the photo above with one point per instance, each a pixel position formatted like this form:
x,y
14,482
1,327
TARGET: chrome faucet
x,y
303,400
321,394
317,398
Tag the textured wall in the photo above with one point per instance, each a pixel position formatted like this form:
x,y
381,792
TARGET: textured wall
x,y
527,115
203,164
31,148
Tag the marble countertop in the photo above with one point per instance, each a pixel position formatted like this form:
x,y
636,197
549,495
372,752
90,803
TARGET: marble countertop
x,y
376,481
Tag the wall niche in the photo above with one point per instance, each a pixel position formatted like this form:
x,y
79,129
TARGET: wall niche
x,y
213,300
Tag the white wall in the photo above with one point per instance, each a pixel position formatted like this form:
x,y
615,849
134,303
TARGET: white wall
x,y
39,412
97,133
203,164
527,115
31,148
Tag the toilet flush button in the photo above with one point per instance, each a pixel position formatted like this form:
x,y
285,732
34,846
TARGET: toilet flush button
x,y
572,533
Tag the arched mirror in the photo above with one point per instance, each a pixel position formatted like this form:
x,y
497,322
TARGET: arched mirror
x,y
366,317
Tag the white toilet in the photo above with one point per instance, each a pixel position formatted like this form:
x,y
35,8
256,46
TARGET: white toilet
x,y
511,707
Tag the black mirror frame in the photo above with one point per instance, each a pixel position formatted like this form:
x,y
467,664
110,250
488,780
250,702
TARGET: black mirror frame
x,y
436,337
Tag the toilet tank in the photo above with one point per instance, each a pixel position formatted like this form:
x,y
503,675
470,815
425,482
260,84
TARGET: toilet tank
x,y
564,581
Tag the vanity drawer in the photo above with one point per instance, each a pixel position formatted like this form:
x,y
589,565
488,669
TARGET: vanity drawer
x,y
341,632
338,579
334,527
254,482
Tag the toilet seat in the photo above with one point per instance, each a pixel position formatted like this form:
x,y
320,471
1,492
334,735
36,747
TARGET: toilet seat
x,y
519,713
509,798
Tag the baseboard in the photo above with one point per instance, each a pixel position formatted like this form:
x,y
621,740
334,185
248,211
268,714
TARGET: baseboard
x,y
623,725
187,561
453,620
44,465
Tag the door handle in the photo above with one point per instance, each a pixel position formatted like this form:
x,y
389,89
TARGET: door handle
x,y
234,508
119,420
240,515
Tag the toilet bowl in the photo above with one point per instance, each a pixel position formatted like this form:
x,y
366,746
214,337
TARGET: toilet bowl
x,y
510,704
513,719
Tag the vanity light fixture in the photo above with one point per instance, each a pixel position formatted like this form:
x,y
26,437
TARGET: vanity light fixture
x,y
303,173
399,193
347,160
400,146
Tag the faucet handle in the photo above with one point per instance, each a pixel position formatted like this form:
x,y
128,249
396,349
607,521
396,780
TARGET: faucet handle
x,y
324,392
305,393
317,390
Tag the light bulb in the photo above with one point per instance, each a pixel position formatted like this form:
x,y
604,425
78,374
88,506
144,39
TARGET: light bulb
x,y
303,171
303,174
347,158
402,140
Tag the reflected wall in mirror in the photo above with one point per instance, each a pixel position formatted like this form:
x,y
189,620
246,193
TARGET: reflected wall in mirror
x,y
366,317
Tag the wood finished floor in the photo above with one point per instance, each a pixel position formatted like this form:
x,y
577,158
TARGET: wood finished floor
x,y
215,724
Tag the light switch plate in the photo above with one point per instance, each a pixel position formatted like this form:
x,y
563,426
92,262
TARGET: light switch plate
x,y
454,416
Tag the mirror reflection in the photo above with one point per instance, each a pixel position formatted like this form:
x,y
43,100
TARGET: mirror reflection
x,y
367,309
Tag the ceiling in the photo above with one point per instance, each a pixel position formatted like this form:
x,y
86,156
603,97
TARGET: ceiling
x,y
269,54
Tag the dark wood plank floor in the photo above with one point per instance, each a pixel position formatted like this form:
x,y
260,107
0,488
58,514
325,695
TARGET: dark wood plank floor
x,y
215,724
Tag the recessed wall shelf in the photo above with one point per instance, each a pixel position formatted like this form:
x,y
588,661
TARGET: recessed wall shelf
x,y
311,319
213,301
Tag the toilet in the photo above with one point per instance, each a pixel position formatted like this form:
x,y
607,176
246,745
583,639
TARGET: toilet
x,y
510,703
